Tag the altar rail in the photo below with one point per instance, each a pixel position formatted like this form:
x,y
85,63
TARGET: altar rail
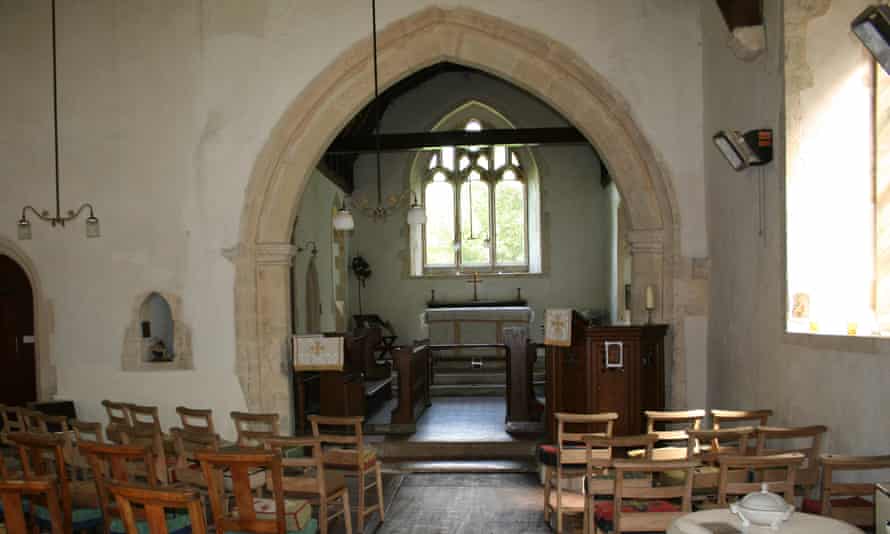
x,y
414,364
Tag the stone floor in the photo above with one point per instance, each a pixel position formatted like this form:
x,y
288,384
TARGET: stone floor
x,y
456,419
460,503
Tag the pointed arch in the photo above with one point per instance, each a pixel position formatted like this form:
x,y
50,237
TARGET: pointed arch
x,y
540,65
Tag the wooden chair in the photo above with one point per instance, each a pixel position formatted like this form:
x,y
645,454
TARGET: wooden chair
x,y
118,419
153,504
83,432
569,460
809,436
647,508
782,467
12,494
344,449
599,476
194,420
252,428
39,422
12,422
306,477
187,444
754,418
845,501
125,464
42,456
672,437
265,516
708,446
145,429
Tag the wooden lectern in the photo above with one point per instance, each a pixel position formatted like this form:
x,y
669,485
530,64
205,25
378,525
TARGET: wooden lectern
x,y
607,369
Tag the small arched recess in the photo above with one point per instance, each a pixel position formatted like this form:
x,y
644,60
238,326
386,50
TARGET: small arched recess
x,y
157,339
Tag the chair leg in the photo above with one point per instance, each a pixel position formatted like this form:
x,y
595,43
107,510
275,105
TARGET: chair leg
x,y
347,513
323,515
546,493
361,501
380,493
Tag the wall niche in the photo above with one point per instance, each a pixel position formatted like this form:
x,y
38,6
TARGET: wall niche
x,y
157,339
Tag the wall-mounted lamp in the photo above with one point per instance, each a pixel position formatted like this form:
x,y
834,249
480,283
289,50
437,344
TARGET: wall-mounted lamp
x,y
872,27
745,150
343,220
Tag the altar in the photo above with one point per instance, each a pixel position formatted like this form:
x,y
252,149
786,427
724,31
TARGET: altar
x,y
473,324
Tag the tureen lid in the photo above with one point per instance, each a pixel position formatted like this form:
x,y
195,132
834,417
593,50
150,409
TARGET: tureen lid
x,y
764,500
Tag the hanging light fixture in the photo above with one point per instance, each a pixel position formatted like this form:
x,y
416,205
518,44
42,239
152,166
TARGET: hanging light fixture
x,y
380,211
92,222
343,221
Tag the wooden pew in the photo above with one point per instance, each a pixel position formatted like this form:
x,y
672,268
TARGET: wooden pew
x,y
362,385
414,364
522,406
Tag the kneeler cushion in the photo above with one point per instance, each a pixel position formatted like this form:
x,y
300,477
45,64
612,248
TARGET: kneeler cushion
x,y
177,523
814,506
605,510
81,518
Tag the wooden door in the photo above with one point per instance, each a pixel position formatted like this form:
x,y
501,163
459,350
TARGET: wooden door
x,y
18,373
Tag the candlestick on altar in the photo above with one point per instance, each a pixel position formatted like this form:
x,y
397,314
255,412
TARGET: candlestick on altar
x,y
650,303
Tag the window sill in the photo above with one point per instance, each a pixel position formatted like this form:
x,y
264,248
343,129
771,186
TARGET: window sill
x,y
467,276
841,343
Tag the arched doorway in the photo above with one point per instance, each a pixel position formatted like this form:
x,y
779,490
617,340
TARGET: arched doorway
x,y
534,62
18,381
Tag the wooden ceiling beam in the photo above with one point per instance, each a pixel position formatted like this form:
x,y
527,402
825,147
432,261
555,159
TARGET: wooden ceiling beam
x,y
340,177
401,142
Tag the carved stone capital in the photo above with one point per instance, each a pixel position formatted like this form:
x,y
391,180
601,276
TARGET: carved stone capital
x,y
646,241
275,253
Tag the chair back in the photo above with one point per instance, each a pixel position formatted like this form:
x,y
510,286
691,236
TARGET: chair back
x,y
143,419
112,463
252,428
598,463
650,521
340,432
859,512
782,469
118,419
305,474
708,445
754,418
194,420
12,421
82,432
240,465
12,494
153,503
806,440
569,445
672,434
42,456
186,445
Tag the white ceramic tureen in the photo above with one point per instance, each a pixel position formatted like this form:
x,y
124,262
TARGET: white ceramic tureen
x,y
763,509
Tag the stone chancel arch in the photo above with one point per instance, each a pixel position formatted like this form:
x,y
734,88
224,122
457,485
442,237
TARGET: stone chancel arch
x,y
538,64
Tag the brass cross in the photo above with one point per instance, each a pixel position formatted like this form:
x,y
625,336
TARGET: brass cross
x,y
476,280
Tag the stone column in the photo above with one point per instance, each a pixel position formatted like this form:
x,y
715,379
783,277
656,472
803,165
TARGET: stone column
x,y
273,313
647,262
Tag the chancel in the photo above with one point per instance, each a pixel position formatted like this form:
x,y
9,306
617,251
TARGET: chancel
x,y
444,266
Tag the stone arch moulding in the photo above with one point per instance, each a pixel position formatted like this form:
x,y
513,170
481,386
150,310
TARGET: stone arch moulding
x,y
540,65
47,378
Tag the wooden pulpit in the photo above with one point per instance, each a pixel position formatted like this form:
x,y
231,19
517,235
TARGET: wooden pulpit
x,y
607,369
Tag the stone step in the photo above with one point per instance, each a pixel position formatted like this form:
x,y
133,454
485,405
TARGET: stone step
x,y
404,450
452,365
468,378
468,390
